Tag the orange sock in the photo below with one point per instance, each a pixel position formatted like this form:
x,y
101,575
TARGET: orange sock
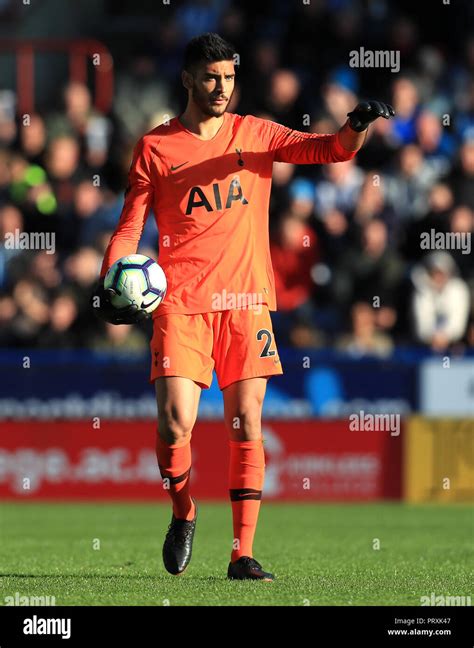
x,y
174,462
246,472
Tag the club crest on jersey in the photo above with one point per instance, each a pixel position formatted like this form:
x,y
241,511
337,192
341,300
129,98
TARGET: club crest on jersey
x,y
240,162
197,197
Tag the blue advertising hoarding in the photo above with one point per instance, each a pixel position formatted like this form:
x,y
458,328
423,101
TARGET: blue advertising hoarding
x,y
80,384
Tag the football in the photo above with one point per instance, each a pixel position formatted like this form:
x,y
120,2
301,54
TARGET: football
x,y
138,280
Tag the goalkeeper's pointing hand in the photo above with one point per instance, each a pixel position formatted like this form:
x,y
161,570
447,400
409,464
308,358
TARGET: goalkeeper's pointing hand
x,y
368,111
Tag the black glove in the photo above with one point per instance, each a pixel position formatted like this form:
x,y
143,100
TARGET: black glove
x,y
100,301
368,111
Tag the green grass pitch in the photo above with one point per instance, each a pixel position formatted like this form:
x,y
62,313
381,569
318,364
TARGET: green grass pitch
x,y
321,554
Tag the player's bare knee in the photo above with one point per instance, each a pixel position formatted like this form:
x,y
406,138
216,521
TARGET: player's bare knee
x,y
246,424
174,426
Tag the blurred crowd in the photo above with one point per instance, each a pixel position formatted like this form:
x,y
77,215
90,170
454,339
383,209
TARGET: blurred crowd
x,y
351,271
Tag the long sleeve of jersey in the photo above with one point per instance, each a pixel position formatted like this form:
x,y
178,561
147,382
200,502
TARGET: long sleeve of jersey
x,y
137,204
297,147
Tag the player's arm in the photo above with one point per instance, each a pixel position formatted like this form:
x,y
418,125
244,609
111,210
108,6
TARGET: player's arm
x,y
311,148
126,237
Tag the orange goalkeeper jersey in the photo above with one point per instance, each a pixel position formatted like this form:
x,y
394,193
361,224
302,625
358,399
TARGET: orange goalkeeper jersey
x,y
210,199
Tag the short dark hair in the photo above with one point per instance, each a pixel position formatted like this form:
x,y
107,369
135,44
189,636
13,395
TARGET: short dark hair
x,y
208,47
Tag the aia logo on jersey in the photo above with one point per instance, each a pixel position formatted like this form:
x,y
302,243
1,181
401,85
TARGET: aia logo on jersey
x,y
197,197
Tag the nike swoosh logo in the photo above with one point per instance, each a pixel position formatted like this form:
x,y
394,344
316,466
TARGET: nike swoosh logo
x,y
174,168
247,494
150,303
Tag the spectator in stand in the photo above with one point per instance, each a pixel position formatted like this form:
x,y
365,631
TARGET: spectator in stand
x,y
63,166
140,96
440,202
364,338
198,16
63,331
301,198
462,89
440,302
461,221
33,140
283,99
8,127
31,313
282,175
435,143
462,176
371,204
339,189
78,110
294,251
265,62
44,269
8,311
81,270
379,148
90,215
5,176
405,102
409,186
11,220
371,272
338,96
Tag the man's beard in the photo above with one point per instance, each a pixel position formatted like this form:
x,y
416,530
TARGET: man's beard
x,y
202,100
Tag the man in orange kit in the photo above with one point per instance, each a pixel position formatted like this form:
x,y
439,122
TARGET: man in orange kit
x,y
207,175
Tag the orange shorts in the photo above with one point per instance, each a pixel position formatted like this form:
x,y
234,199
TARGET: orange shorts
x,y
239,344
